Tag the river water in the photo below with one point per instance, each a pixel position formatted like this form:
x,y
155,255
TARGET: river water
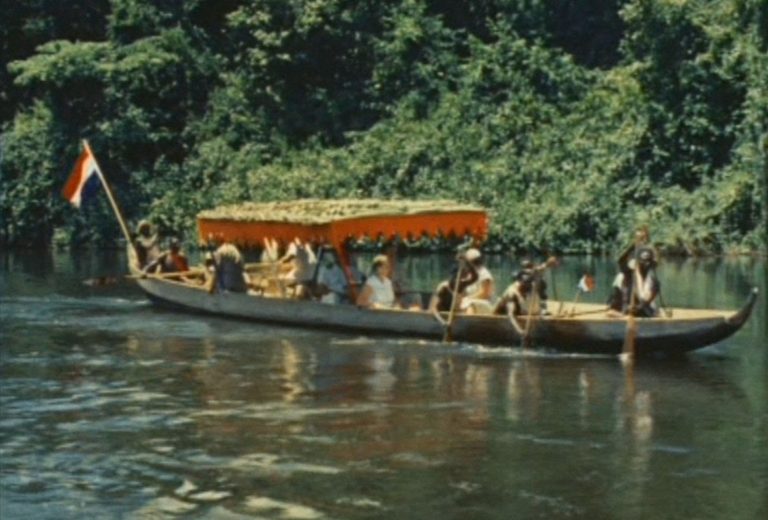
x,y
113,408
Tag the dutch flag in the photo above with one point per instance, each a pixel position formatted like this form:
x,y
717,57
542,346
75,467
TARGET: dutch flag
x,y
84,179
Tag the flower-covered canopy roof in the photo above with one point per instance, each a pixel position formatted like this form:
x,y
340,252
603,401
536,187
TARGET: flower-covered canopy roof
x,y
334,222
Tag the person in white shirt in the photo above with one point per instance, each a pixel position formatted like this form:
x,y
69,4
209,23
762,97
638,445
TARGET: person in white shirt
x,y
378,292
480,295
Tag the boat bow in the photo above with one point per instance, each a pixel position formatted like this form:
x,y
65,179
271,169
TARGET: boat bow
x,y
738,319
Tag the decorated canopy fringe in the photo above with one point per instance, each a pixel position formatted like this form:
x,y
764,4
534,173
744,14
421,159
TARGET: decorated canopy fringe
x,y
334,222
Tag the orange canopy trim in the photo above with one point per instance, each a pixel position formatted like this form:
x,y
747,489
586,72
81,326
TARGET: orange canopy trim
x,y
333,222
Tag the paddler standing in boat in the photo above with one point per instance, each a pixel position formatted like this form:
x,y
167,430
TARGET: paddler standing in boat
x,y
646,284
146,244
637,266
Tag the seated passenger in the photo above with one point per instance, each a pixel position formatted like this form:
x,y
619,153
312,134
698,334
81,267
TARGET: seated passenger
x,y
303,263
443,297
230,270
480,295
170,261
146,244
332,283
378,292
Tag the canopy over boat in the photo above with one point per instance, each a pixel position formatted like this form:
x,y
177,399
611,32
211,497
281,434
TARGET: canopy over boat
x,y
334,222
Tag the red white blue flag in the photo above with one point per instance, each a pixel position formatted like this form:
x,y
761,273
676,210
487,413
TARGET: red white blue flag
x,y
83,181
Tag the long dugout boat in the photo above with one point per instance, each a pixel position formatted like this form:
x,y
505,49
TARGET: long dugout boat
x,y
584,329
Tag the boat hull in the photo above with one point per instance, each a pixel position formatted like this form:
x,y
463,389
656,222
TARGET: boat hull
x,y
588,330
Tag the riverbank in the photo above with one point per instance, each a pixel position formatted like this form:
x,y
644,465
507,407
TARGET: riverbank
x,y
193,247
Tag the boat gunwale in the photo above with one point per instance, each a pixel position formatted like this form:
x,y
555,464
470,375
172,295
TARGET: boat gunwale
x,y
716,314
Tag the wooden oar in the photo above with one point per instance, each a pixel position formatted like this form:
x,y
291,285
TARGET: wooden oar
x,y
525,341
165,276
448,332
554,290
628,351
584,313
535,300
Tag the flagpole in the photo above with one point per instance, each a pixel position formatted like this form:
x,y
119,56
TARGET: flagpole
x,y
111,197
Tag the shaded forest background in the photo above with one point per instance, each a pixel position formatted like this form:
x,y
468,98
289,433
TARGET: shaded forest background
x,y
572,120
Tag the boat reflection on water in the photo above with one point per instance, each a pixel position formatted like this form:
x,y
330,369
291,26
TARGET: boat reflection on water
x,y
384,403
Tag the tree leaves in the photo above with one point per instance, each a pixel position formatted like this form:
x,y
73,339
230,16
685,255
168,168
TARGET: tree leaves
x,y
570,121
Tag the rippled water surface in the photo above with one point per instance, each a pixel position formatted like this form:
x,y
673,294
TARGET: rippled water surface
x,y
111,407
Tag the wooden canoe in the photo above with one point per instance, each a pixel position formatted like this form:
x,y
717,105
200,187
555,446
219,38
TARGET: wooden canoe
x,y
589,330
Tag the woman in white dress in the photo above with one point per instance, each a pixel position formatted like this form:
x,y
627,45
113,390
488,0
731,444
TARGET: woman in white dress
x,y
378,292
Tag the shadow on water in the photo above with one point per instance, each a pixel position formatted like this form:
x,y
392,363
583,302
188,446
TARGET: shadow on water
x,y
111,407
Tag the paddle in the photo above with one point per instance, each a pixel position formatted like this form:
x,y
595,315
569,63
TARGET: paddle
x,y
535,298
164,276
525,341
448,332
628,350
554,291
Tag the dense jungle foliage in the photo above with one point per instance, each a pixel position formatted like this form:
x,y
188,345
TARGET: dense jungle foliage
x,y
572,120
